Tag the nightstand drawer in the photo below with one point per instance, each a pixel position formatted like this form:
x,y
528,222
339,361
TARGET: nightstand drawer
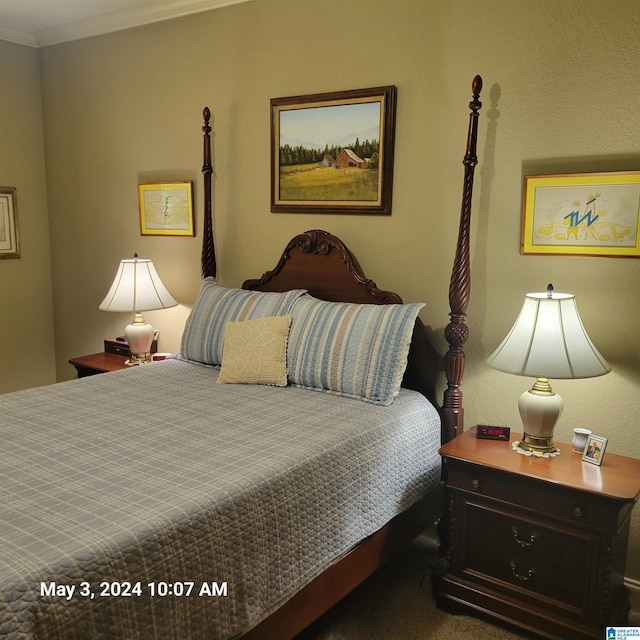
x,y
574,507
509,552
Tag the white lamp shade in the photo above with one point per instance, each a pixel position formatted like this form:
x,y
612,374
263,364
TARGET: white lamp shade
x,y
548,340
137,287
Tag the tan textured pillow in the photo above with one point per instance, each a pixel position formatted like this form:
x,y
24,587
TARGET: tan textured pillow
x,y
255,351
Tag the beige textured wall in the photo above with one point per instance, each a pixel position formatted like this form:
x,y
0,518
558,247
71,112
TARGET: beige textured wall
x,y
561,94
27,357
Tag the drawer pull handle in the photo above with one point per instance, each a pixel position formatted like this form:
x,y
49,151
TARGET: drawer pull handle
x,y
523,577
475,483
523,543
578,512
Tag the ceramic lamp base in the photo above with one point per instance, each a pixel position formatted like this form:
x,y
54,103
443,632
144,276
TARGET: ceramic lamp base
x,y
539,409
139,335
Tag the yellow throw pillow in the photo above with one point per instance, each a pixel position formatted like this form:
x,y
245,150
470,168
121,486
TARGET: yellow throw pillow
x,y
255,351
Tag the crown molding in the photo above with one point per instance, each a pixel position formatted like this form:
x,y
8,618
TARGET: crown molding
x,y
17,36
111,22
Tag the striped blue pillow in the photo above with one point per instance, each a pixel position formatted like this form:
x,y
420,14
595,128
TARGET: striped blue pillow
x,y
354,350
203,335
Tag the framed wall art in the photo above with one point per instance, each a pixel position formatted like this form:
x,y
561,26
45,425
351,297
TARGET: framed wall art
x,y
590,214
9,233
166,208
333,152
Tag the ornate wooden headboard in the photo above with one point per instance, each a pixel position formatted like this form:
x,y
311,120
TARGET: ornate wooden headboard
x,y
322,264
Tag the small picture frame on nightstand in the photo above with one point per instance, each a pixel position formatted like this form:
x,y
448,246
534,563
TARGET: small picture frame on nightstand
x,y
594,451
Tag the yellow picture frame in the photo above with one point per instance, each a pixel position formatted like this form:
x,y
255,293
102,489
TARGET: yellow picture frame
x,y
166,208
589,214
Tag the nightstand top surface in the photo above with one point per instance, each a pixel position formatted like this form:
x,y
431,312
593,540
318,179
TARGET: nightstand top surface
x,y
101,362
618,477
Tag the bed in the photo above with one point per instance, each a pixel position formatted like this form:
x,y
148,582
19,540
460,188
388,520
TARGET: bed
x,y
264,482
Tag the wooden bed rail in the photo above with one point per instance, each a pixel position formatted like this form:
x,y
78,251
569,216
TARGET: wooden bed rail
x,y
457,332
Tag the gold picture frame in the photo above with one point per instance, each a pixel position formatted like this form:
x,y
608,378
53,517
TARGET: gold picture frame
x,y
589,214
333,152
166,208
9,232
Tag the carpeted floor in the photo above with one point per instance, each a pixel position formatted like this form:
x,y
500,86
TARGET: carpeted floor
x,y
397,604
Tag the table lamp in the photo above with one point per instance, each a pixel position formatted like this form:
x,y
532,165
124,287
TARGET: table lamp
x,y
547,340
137,287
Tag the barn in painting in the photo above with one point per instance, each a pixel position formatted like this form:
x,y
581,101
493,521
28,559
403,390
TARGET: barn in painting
x,y
349,159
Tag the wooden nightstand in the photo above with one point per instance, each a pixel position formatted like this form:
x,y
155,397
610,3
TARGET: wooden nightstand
x,y
541,543
98,363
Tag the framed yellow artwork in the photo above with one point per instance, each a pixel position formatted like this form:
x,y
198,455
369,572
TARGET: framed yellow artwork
x,y
589,214
166,208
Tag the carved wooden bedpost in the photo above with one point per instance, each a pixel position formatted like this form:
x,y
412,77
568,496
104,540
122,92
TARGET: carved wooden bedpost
x,y
208,260
457,332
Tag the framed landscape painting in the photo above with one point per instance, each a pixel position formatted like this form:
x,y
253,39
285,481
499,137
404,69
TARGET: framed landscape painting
x,y
333,152
589,214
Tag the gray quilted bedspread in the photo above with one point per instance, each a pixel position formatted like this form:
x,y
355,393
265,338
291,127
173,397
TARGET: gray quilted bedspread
x,y
154,503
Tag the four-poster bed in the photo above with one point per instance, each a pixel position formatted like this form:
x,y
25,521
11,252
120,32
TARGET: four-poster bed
x,y
276,500
319,262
